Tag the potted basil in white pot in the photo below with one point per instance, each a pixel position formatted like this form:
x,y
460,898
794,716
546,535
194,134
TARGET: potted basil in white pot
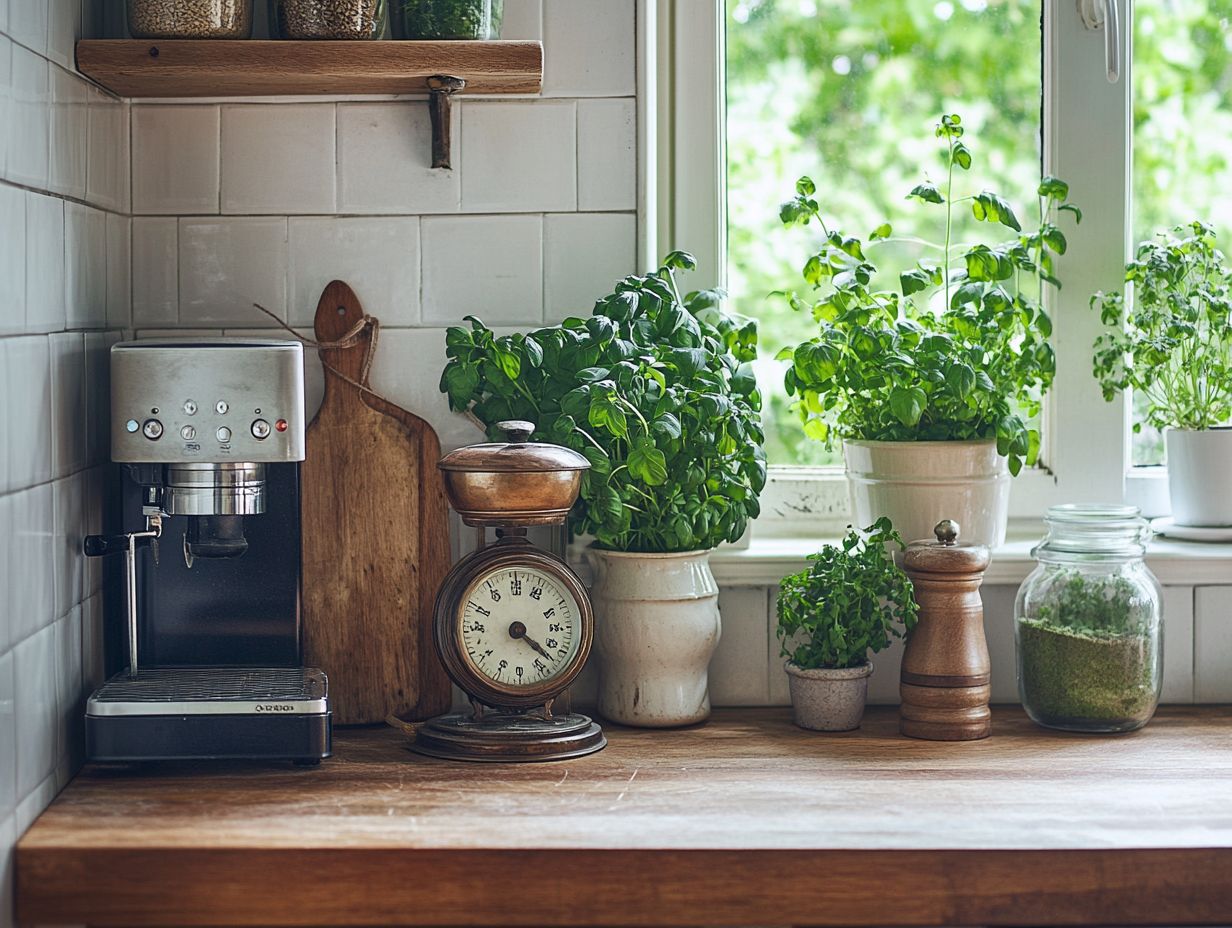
x,y
1174,347
931,385
657,390
851,601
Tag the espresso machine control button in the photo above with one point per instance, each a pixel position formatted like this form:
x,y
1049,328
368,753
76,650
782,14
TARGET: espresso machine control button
x,y
221,407
152,429
223,434
188,433
190,408
260,429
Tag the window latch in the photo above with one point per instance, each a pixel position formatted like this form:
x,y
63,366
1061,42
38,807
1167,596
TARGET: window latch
x,y
1104,14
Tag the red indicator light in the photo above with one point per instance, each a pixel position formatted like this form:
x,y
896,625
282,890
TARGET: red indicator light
x,y
281,425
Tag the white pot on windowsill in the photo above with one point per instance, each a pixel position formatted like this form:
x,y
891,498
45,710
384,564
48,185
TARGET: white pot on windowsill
x,y
919,483
1200,476
656,628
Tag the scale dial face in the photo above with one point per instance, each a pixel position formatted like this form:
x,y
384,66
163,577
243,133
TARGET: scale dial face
x,y
513,626
521,626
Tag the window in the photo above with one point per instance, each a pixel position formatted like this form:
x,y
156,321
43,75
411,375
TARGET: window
x,y
847,92
1182,124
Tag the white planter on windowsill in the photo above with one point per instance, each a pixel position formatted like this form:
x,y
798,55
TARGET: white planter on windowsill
x,y
1200,476
919,483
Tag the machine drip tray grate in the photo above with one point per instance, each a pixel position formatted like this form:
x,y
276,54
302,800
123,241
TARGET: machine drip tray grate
x,y
213,690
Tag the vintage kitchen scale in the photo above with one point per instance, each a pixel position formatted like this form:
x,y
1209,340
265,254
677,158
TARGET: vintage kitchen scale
x,y
513,624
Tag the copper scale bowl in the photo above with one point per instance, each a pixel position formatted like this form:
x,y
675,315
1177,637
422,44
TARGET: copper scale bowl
x,y
515,482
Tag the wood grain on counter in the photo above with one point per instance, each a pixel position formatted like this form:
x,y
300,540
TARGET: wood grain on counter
x,y
744,820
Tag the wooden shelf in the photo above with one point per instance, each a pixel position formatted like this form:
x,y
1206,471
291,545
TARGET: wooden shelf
x,y
221,68
745,820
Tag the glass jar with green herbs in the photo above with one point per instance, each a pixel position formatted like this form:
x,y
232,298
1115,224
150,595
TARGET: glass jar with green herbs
x,y
445,19
1088,623
327,19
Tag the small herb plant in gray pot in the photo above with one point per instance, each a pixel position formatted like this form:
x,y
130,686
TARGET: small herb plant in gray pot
x,y
850,602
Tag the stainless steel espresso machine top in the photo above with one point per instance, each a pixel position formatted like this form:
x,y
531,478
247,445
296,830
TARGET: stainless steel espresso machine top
x,y
210,433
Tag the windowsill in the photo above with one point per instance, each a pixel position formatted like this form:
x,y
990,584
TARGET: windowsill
x,y
766,560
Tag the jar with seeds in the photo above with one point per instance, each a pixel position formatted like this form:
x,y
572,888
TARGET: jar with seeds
x,y
446,19
190,19
327,19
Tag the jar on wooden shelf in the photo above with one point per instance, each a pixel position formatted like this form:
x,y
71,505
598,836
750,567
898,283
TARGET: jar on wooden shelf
x,y
1088,623
446,19
190,19
327,19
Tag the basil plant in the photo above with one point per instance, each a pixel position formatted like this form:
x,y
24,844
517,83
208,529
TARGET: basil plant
x,y
959,350
655,389
1175,344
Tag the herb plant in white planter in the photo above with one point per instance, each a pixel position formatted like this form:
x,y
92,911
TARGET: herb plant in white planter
x,y
851,601
930,386
1175,346
656,389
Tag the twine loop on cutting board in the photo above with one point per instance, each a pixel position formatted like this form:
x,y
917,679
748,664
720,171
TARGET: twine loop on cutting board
x,y
349,339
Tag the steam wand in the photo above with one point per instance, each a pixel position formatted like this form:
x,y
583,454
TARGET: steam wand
x,y
100,545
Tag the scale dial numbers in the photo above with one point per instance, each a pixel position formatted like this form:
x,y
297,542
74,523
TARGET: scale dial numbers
x,y
519,626
513,625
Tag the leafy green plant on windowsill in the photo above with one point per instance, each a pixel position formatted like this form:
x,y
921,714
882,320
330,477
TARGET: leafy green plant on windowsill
x,y
656,389
1175,344
851,601
959,352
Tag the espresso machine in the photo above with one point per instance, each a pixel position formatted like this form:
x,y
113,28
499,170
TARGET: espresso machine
x,y
209,436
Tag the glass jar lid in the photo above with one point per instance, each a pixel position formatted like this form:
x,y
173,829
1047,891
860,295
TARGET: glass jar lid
x,y
1095,529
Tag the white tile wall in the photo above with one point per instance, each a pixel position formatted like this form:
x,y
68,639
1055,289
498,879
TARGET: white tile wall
x,y
156,276
107,171
278,158
64,269
486,266
607,154
378,257
581,250
1213,644
519,157
226,265
12,260
44,263
591,47
385,157
85,266
30,118
175,159
69,133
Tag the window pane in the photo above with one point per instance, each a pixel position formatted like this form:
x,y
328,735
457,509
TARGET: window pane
x,y
1182,97
848,93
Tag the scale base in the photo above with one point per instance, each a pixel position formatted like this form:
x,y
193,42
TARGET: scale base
x,y
508,737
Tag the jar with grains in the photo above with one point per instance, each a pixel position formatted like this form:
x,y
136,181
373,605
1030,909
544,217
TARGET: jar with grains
x,y
327,19
445,19
190,19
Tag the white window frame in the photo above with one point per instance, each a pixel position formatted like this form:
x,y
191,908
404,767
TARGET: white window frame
x,y
1086,452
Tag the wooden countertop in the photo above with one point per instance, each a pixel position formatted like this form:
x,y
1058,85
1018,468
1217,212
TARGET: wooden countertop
x,y
743,821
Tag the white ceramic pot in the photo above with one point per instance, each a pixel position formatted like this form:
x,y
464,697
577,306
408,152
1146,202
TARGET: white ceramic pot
x,y
1200,476
656,628
919,483
828,699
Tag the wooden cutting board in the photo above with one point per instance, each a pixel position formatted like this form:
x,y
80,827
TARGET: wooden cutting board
x,y
376,539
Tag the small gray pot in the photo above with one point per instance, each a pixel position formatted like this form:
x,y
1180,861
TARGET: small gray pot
x,y
828,700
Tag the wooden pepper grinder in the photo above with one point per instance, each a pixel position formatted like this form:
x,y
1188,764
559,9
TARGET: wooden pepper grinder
x,y
944,683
